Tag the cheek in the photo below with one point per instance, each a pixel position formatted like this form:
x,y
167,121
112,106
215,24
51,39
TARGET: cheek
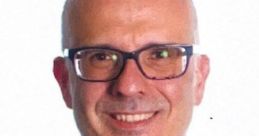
x,y
177,92
88,94
85,98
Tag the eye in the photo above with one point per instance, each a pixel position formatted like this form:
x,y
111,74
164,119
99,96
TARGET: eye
x,y
160,54
104,56
100,56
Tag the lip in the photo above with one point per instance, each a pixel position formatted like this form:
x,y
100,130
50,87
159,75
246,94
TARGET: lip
x,y
131,121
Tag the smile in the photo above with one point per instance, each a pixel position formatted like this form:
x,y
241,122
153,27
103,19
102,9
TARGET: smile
x,y
131,118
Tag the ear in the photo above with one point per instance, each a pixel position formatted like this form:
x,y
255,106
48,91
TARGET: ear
x,y
61,74
202,71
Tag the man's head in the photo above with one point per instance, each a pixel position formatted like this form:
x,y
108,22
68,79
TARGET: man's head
x,y
126,76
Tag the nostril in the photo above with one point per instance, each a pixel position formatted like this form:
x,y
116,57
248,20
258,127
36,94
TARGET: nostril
x,y
126,88
125,92
117,94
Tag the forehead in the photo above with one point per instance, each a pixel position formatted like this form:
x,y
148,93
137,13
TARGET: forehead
x,y
128,21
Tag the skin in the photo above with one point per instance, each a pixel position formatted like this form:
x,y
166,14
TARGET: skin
x,y
130,25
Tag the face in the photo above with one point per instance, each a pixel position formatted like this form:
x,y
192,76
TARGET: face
x,y
131,105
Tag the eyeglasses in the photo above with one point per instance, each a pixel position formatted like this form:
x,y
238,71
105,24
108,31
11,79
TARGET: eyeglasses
x,y
157,62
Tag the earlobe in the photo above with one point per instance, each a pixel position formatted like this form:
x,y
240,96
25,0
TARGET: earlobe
x,y
61,74
202,71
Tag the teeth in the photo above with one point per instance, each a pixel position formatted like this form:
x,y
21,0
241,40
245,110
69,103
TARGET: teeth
x,y
133,117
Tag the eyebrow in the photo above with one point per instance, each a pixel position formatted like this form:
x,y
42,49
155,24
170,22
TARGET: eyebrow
x,y
116,47
96,45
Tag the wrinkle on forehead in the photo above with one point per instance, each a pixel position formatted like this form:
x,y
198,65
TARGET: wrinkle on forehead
x,y
123,12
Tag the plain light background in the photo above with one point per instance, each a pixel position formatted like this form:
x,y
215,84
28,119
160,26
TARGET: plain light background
x,y
31,102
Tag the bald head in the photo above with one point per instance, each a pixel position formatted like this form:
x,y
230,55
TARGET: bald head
x,y
86,20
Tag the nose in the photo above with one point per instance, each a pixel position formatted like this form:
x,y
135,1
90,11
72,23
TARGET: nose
x,y
131,81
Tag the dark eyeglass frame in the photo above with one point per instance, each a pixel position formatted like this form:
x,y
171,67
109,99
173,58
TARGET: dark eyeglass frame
x,y
70,53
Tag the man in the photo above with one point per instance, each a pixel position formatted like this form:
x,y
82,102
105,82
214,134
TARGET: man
x,y
128,67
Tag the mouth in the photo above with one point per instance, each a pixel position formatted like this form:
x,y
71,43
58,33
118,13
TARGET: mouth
x,y
131,118
132,121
